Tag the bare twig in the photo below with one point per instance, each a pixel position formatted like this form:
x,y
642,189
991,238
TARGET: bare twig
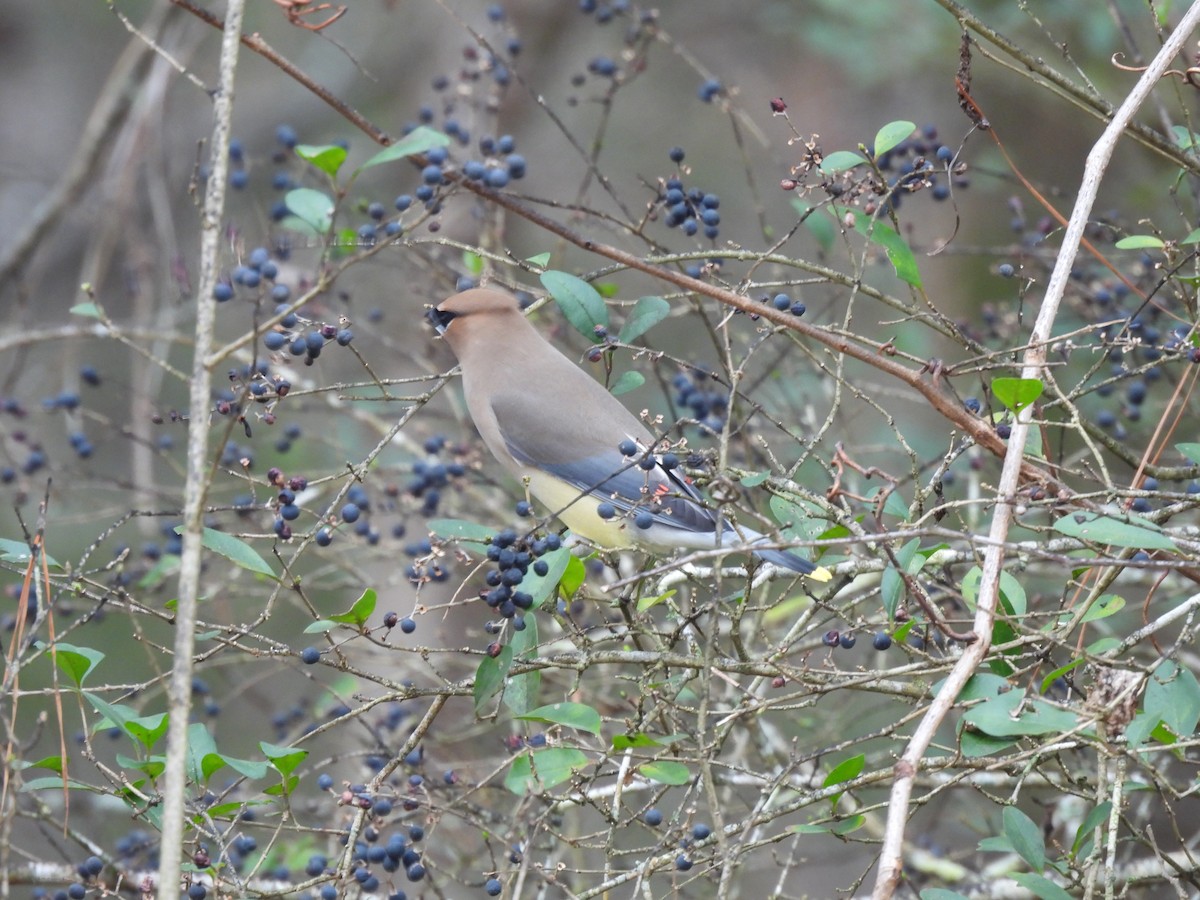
x,y
891,855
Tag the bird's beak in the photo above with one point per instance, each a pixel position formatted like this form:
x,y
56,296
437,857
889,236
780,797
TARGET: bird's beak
x,y
439,319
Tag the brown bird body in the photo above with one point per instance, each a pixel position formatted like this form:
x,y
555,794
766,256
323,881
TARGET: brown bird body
x,y
557,429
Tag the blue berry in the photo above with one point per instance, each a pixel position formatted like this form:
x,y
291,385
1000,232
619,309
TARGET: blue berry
x,y
493,887
798,308
497,178
606,510
350,512
408,626
222,291
881,641
653,817
676,154
708,90
286,135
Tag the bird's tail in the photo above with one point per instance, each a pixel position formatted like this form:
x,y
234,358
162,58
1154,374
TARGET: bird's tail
x,y
794,563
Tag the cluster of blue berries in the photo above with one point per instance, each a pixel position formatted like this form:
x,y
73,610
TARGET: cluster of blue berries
x,y
708,406
514,557
689,210
920,163
302,338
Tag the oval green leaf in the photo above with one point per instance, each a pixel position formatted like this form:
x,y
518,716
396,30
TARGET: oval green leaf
x,y
421,139
666,771
579,716
891,135
646,313
1132,532
579,301
326,157
1017,393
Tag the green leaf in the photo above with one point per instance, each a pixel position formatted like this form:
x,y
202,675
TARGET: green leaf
x,y
574,577
284,759
891,135
1026,837
1012,595
666,771
841,161
623,742
421,139
1095,819
998,716
574,715
543,587
1103,607
91,310
1017,393
846,770
628,381
115,715
53,763
1040,886
898,252
645,603
754,479
473,263
539,261
975,745
543,769
148,730
326,157
489,677
892,583
286,786
848,825
76,662
646,313
1139,242
819,225
808,829
1129,531
800,518
578,300
1058,673
520,694
17,552
159,572
202,756
1173,694
312,207
358,614
1193,237
251,768
320,626
233,549
1191,451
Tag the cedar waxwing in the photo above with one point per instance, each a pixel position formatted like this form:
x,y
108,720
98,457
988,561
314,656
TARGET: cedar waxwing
x,y
582,453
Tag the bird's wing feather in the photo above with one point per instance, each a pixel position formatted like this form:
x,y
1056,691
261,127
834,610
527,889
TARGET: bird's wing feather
x,y
585,461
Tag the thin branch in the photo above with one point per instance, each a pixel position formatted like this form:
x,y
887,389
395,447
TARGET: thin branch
x,y
891,855
196,486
